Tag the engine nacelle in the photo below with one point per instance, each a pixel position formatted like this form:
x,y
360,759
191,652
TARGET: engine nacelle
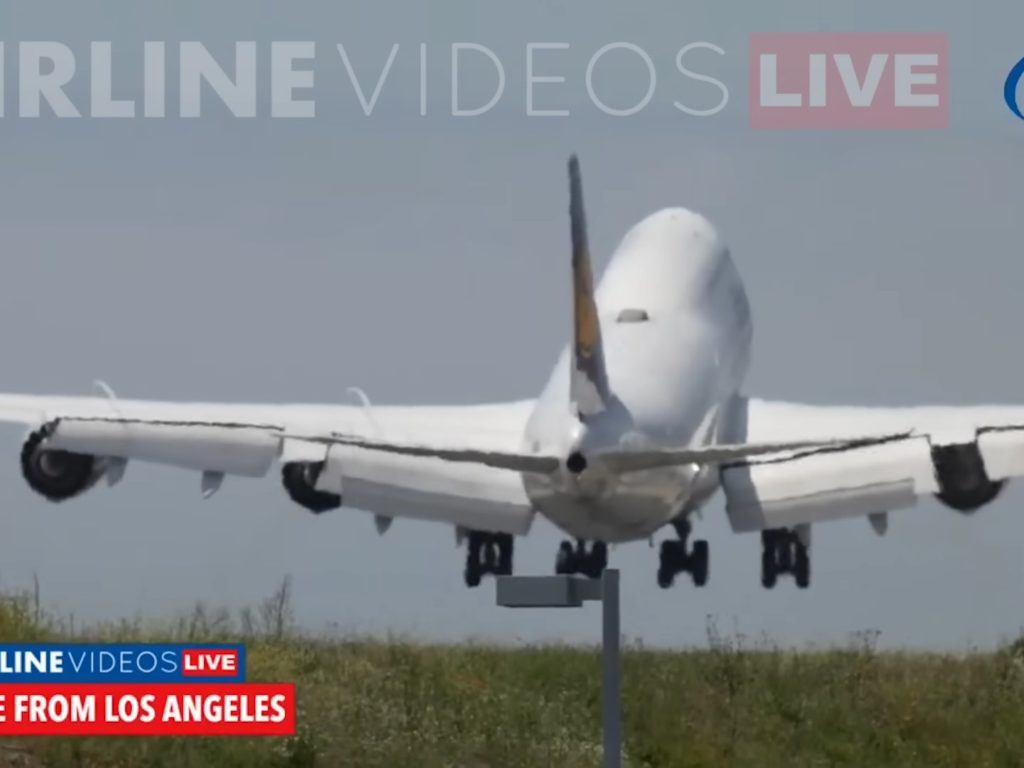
x,y
299,479
964,485
55,474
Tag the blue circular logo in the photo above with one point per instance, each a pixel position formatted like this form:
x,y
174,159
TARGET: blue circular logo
x,y
1010,88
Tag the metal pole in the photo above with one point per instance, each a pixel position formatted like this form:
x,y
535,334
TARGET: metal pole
x,y
572,592
611,714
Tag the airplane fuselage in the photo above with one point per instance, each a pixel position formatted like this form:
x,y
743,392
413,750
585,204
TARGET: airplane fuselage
x,y
677,336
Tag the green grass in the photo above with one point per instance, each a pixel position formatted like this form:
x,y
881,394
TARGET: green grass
x,y
364,702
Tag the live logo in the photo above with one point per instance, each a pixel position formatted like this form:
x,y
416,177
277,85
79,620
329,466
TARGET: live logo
x,y
848,80
212,662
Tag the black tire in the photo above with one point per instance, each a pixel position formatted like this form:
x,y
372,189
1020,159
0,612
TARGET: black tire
x,y
598,559
785,557
505,556
565,560
472,576
490,556
699,562
600,554
672,556
670,562
802,567
768,572
665,578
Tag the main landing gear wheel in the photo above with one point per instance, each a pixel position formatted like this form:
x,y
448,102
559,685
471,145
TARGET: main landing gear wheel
x,y
578,559
783,552
675,559
487,553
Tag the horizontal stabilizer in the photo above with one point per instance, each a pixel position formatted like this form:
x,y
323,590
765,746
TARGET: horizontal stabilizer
x,y
622,461
518,462
618,461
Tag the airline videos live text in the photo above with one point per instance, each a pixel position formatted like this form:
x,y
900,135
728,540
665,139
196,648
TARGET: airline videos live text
x,y
137,690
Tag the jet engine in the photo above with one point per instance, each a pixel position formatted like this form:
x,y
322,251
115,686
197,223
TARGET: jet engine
x,y
964,484
299,479
55,474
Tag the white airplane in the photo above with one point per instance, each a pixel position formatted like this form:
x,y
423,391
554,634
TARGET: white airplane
x,y
640,424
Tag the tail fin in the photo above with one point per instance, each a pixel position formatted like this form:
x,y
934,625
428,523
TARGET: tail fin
x,y
588,387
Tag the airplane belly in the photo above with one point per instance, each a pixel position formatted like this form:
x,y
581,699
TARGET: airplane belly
x,y
607,508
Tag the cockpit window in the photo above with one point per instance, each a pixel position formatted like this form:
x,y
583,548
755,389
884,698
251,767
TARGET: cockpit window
x,y
632,315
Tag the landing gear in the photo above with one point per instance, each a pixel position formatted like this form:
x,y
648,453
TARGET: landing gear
x,y
487,553
578,559
675,559
782,551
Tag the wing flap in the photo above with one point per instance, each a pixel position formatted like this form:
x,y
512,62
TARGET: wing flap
x,y
948,451
470,495
236,450
1003,453
827,485
297,449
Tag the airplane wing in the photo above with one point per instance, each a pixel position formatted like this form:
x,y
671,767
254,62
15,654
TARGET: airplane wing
x,y
870,461
102,434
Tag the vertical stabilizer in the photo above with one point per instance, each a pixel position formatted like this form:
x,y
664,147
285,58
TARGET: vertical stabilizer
x,y
588,383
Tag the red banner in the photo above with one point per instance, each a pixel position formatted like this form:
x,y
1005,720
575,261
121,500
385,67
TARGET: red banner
x,y
157,709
